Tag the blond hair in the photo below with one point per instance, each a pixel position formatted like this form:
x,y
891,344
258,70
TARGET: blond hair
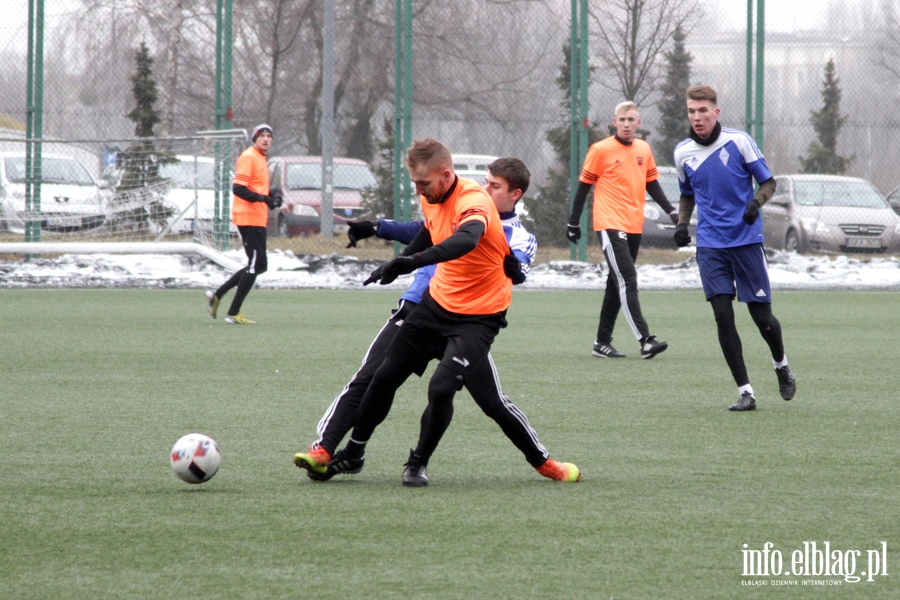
x,y
625,106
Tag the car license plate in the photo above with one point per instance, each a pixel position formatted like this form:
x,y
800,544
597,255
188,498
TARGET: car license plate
x,y
64,222
863,242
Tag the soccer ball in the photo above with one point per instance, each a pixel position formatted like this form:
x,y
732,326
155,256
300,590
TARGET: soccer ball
x,y
195,458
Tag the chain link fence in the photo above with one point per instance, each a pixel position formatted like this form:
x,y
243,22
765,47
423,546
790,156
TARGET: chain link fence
x,y
489,79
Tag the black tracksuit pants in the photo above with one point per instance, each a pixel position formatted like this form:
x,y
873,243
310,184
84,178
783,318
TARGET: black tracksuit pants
x,y
621,251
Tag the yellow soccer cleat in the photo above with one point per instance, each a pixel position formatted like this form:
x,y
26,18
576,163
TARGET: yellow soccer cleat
x,y
560,471
239,319
212,303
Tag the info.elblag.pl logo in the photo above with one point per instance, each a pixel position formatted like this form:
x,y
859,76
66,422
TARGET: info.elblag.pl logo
x,y
819,561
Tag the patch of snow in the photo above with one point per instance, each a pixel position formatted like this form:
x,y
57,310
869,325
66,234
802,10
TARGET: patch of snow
x,y
289,271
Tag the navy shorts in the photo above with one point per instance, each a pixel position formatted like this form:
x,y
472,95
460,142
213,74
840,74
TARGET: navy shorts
x,y
461,342
742,267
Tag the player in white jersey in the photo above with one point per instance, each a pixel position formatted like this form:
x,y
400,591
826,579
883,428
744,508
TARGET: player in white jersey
x,y
716,167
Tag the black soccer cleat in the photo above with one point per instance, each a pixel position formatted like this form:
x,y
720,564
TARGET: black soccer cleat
x,y
414,474
650,347
786,383
342,464
746,402
606,351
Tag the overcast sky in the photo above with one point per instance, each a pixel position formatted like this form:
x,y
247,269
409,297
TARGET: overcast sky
x,y
782,15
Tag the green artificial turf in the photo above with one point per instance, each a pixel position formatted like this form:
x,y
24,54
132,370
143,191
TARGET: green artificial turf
x,y
97,385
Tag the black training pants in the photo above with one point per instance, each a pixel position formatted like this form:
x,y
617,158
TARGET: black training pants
x,y
621,251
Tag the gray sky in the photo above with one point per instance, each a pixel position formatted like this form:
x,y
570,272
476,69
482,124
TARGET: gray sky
x,y
781,15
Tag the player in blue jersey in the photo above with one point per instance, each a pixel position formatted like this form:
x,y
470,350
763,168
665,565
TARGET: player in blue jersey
x,y
716,167
507,181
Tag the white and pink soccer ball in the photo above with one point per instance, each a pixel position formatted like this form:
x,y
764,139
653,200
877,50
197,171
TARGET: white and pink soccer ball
x,y
195,458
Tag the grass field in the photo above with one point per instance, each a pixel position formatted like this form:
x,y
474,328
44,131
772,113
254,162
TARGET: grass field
x,y
98,385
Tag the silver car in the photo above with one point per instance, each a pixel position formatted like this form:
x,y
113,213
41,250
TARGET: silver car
x,y
829,213
70,198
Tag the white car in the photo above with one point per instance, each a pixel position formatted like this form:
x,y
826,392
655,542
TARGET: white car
x,y
70,198
472,166
189,190
191,184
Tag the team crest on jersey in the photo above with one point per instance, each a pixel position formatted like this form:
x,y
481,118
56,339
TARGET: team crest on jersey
x,y
723,156
453,227
640,160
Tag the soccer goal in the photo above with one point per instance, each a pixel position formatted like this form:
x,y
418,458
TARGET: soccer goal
x,y
134,196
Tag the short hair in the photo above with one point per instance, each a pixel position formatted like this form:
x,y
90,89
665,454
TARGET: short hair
x,y
429,152
513,171
627,105
702,92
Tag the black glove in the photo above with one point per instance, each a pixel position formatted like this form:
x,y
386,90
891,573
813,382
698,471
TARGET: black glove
x,y
275,198
674,216
573,232
376,274
359,230
277,194
393,269
752,212
513,268
682,237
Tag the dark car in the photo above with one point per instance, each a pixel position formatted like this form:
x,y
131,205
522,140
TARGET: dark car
x,y
300,178
829,213
658,227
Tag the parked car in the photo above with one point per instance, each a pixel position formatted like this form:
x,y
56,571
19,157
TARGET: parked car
x,y
191,190
472,166
829,213
188,189
70,197
893,200
658,227
300,178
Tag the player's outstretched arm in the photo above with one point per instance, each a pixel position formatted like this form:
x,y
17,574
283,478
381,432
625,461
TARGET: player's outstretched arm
x,y
460,243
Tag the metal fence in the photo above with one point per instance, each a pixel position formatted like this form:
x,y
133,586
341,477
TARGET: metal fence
x,y
487,78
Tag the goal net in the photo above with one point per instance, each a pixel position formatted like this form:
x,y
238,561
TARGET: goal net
x,y
133,195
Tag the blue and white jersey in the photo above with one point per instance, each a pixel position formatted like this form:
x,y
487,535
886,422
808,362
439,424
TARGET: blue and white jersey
x,y
521,242
720,178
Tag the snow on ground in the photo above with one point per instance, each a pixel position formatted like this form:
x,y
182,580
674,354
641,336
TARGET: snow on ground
x,y
288,271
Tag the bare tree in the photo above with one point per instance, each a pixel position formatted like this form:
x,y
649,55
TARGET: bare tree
x,y
633,34
889,42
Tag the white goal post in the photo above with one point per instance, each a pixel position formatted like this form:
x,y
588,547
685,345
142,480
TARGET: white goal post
x,y
88,199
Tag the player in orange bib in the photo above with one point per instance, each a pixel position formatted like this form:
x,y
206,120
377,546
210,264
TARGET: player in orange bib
x,y
458,317
250,212
621,169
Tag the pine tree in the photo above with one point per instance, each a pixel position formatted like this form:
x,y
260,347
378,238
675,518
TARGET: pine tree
x,y
547,216
822,154
673,123
139,192
380,199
